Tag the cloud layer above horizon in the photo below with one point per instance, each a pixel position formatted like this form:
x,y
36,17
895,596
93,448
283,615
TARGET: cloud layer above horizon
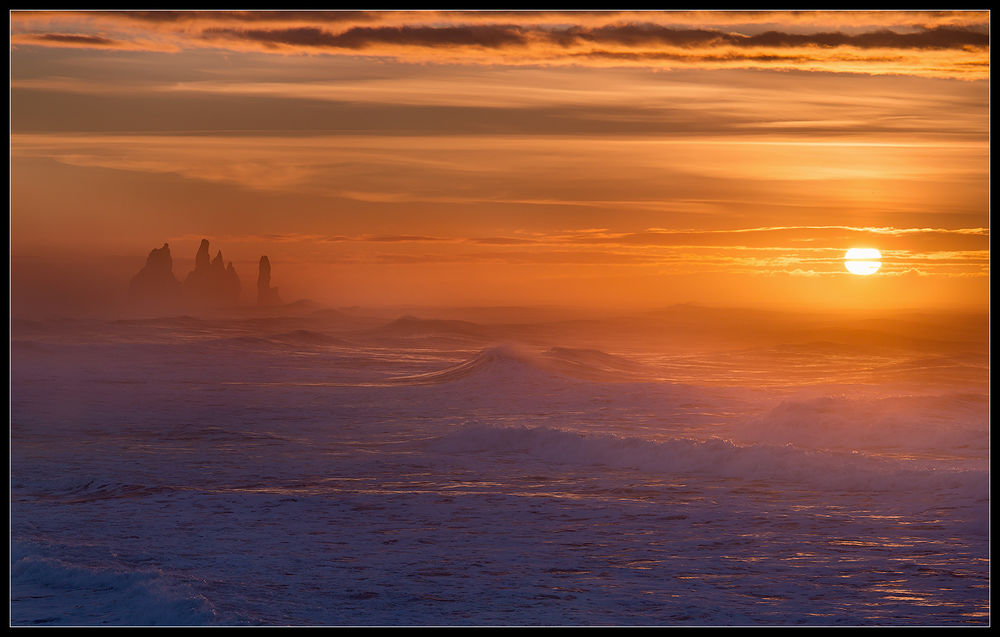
x,y
930,44
494,156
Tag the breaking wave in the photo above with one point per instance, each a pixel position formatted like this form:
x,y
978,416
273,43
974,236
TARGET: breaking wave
x,y
283,340
827,470
506,363
502,363
413,327
594,364
127,596
956,421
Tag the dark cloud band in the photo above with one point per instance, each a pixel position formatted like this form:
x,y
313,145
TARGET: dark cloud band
x,y
75,39
652,35
490,36
629,36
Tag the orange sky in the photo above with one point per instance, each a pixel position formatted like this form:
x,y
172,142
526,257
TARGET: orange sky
x,y
489,158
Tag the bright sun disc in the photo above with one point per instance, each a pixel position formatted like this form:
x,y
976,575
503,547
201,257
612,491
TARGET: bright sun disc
x,y
862,260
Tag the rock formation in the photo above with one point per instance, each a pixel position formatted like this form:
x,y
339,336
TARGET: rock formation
x,y
266,295
211,282
154,285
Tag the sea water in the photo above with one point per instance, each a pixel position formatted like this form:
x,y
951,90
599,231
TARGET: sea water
x,y
329,468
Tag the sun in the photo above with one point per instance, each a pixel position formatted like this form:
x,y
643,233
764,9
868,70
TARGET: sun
x,y
863,261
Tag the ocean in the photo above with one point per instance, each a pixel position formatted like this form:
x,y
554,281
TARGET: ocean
x,y
687,466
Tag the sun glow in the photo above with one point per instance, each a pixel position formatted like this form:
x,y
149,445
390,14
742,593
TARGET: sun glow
x,y
863,261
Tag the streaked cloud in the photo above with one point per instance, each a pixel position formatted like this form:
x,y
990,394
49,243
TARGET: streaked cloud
x,y
68,39
932,44
88,41
610,156
777,251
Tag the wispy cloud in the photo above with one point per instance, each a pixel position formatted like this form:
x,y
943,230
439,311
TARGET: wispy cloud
x,y
700,187
69,39
487,36
937,44
89,41
721,251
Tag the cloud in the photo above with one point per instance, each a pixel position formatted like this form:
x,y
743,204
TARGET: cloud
x,y
66,38
489,36
643,35
840,19
634,39
78,40
487,181
722,251
401,238
941,44
167,17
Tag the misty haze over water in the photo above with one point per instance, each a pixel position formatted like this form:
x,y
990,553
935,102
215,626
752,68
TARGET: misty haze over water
x,y
307,465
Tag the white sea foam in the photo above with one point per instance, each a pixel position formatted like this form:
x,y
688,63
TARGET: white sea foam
x,y
105,595
937,423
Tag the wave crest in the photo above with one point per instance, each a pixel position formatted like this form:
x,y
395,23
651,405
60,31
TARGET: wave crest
x,y
133,597
509,363
827,470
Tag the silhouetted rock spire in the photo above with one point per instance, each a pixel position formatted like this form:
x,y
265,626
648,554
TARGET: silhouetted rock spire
x,y
154,285
211,282
266,295
201,260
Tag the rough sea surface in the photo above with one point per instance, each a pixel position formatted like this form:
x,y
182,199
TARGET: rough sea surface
x,y
338,468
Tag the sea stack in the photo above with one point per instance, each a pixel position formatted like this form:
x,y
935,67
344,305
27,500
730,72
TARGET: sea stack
x,y
266,295
155,285
211,282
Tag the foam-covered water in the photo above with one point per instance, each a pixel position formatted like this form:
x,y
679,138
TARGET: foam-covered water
x,y
341,470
